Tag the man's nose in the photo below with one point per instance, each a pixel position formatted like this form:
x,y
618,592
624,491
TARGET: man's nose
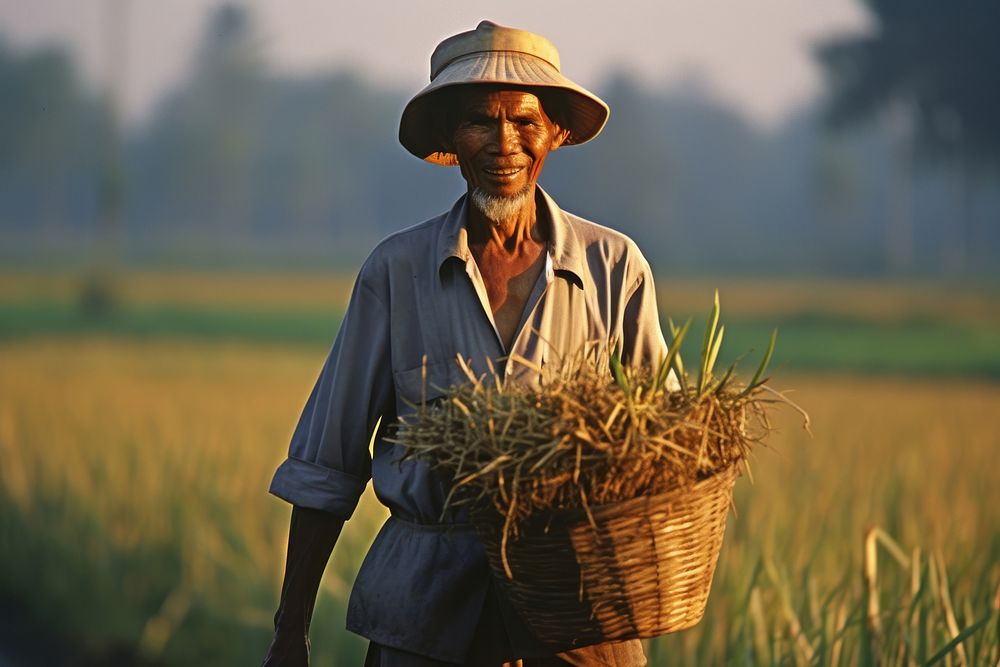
x,y
506,137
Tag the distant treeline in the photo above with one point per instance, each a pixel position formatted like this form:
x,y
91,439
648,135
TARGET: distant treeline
x,y
240,165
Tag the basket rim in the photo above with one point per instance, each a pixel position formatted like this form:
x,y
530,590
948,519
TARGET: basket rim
x,y
724,476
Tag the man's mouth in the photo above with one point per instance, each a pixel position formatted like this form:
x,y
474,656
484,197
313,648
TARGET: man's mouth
x,y
507,171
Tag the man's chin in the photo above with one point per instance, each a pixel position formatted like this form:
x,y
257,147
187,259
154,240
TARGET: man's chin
x,y
497,206
505,190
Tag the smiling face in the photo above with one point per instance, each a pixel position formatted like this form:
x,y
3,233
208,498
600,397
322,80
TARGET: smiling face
x,y
501,138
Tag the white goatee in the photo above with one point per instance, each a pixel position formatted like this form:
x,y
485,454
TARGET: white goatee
x,y
499,209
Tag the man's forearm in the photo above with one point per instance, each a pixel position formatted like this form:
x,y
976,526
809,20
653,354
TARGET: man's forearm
x,y
311,537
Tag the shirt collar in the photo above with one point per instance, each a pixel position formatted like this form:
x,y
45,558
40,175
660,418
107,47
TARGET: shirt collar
x,y
565,250
453,240
565,247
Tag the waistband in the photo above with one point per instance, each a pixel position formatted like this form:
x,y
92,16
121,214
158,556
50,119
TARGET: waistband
x,y
432,527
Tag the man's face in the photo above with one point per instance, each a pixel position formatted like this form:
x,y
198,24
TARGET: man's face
x,y
501,139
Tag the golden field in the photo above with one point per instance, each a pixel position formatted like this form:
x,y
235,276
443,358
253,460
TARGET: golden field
x,y
143,468
135,526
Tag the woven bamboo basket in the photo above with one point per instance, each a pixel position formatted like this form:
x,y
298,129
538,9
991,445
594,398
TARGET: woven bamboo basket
x,y
643,568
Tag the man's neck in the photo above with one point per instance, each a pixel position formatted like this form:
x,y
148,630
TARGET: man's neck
x,y
511,233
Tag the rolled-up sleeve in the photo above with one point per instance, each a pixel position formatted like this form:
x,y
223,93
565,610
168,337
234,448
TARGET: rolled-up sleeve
x,y
329,464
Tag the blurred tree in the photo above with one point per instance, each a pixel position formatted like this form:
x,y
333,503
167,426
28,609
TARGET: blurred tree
x,y
942,58
48,126
238,156
673,169
941,61
202,145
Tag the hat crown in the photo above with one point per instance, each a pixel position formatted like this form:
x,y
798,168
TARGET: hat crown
x,y
489,36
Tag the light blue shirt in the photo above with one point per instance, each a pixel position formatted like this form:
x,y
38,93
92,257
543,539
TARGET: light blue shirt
x,y
422,585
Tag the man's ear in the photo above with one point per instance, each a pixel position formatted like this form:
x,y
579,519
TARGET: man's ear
x,y
561,135
445,141
444,131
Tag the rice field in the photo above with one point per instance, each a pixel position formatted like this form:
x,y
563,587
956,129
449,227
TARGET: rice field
x,y
135,527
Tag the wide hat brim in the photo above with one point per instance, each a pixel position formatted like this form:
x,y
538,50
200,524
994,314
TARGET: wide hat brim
x,y
586,113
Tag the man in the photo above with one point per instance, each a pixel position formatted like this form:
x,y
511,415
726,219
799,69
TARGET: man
x,y
505,271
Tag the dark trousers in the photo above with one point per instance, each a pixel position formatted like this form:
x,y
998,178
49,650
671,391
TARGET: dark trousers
x,y
617,654
490,647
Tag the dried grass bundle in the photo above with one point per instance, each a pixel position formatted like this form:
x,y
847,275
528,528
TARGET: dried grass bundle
x,y
586,436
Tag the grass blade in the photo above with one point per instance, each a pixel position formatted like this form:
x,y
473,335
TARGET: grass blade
x,y
716,344
755,380
678,363
616,369
713,322
673,356
959,638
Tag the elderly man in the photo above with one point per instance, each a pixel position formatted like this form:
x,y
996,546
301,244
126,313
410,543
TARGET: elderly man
x,y
504,272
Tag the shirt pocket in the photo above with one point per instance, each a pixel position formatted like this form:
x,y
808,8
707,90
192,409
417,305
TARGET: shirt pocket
x,y
414,386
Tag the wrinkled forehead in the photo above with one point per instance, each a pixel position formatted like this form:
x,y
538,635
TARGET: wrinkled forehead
x,y
483,96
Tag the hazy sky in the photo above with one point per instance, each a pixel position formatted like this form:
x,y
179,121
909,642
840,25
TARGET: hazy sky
x,y
752,53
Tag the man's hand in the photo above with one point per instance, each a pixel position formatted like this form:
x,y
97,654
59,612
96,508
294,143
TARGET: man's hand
x,y
288,649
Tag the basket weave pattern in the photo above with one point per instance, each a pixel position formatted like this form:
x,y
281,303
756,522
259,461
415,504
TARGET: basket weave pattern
x,y
643,569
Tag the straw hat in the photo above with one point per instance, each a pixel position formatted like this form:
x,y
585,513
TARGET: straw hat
x,y
493,54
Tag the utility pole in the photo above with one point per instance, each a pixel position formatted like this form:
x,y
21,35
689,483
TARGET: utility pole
x,y
99,292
